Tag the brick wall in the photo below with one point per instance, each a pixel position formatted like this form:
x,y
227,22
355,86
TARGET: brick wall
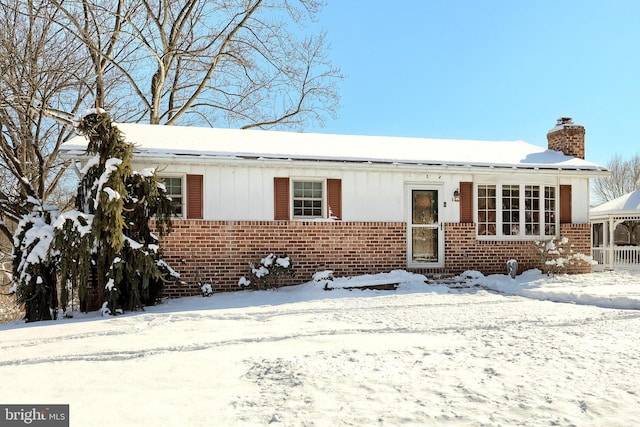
x,y
579,236
221,250
463,251
218,252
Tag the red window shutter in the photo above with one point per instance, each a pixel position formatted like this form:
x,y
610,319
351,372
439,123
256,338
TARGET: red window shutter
x,y
466,202
334,198
281,199
194,196
565,204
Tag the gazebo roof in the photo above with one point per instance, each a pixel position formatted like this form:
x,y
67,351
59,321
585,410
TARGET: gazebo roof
x,y
627,204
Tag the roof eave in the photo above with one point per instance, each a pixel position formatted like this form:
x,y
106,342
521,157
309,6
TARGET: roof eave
x,y
203,159
369,163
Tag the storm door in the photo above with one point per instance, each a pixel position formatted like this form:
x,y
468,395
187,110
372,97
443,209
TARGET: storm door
x,y
424,233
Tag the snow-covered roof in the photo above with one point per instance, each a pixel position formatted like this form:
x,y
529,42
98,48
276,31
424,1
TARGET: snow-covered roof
x,y
197,142
627,204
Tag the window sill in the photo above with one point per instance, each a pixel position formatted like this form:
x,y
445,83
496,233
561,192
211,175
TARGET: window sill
x,y
318,219
515,238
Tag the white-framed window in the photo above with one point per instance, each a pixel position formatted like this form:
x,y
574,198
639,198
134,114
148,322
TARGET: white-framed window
x,y
550,208
173,186
532,210
516,210
510,210
487,209
308,198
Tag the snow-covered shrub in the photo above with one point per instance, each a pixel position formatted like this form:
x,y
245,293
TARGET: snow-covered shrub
x,y
267,272
243,282
323,278
556,256
206,290
206,286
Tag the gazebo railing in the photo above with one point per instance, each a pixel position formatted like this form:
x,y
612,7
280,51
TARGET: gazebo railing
x,y
622,255
626,254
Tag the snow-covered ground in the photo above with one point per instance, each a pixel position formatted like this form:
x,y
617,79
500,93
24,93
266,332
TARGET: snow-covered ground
x,y
563,350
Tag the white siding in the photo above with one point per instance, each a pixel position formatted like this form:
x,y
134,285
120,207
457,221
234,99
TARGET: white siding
x,y
238,193
245,191
579,199
372,196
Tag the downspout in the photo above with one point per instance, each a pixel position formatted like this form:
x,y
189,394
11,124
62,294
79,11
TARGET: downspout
x,y
558,204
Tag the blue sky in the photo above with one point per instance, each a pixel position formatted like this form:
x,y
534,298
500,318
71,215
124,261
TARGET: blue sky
x,y
490,69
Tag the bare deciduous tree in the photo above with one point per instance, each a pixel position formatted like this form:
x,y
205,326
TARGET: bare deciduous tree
x,y
624,178
231,63
236,63
37,70
97,27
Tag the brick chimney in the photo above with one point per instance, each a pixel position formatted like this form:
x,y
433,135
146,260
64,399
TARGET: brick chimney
x,y
567,137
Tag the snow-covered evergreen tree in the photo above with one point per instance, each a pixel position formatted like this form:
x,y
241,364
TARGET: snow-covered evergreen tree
x,y
108,238
33,269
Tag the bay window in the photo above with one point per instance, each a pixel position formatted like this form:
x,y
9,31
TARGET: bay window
x,y
516,210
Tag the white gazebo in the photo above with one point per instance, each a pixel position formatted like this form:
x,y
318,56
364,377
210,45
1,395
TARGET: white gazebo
x,y
615,233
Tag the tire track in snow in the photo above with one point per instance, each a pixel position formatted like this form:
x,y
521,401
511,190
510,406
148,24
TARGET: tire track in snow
x,y
120,355
429,330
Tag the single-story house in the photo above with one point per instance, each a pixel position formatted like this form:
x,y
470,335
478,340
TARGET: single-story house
x,y
361,204
616,232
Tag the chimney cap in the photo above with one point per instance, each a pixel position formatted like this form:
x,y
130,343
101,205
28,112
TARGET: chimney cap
x,y
564,121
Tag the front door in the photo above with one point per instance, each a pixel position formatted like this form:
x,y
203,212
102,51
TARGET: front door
x,y
425,236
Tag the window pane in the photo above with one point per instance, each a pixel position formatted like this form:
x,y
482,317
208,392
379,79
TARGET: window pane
x,y
315,208
173,185
316,190
424,244
425,207
297,207
177,205
307,189
297,189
